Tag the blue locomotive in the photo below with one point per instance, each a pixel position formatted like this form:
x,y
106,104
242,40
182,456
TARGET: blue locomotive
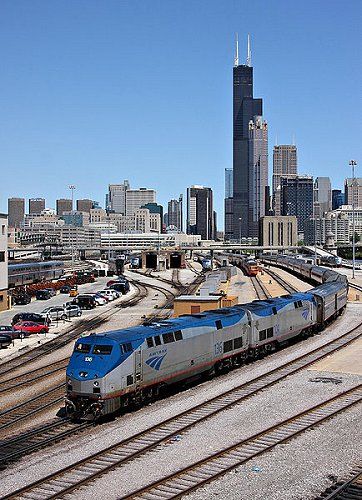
x,y
109,371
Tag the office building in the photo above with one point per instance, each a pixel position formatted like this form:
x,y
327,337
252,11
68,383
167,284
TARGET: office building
x,y
353,191
116,198
155,208
137,198
200,212
278,230
63,205
3,262
84,205
174,214
284,165
322,196
228,204
297,198
250,161
16,211
149,240
337,198
36,205
337,223
76,218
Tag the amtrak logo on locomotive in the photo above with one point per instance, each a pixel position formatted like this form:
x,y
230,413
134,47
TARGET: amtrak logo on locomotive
x,y
155,361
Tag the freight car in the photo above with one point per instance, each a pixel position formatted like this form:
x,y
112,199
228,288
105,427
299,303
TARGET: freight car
x,y
109,371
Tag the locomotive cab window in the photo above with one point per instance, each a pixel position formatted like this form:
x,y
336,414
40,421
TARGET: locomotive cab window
x,y
102,349
157,340
126,347
149,342
84,348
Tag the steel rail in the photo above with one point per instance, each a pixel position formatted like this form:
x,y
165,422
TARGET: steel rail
x,y
217,464
28,408
281,281
349,488
260,289
32,440
142,442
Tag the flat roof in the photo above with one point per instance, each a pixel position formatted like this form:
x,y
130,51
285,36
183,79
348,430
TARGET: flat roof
x,y
4,216
198,298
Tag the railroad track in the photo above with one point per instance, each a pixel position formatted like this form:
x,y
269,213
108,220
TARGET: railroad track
x,y
260,289
281,281
349,488
64,338
13,448
217,464
32,376
84,471
27,409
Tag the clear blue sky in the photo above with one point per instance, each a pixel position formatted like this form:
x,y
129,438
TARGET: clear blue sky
x,y
97,91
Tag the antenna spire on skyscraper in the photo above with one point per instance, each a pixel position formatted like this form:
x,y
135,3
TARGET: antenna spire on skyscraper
x,y
248,57
236,59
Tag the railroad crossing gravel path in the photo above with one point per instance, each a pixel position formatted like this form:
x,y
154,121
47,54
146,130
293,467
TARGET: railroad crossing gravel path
x,y
340,437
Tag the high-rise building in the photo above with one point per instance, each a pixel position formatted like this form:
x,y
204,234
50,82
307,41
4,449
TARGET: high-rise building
x,y
228,204
63,205
155,208
353,191
136,198
200,212
116,198
84,205
297,197
337,198
250,161
228,182
16,211
322,196
174,214
284,165
3,262
36,205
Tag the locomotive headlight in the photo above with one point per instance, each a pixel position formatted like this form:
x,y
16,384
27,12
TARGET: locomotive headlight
x,y
96,384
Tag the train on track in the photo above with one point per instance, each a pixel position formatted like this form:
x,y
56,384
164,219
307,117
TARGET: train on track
x,y
111,370
26,273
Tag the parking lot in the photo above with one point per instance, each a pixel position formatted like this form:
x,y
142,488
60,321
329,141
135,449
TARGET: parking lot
x,y
56,327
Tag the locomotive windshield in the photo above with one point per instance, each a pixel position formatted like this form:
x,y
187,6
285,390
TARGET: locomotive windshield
x,y
85,348
102,349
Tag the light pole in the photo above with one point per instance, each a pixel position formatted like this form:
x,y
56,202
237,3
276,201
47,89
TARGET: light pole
x,y
72,188
353,164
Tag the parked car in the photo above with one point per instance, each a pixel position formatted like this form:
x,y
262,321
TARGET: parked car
x,y
100,301
26,316
85,301
8,330
122,287
52,291
111,294
21,299
73,291
65,289
72,310
31,327
5,340
54,313
43,295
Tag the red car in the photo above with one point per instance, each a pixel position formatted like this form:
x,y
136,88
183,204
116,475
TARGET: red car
x,y
30,327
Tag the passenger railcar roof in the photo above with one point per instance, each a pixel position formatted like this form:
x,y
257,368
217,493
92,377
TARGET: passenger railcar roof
x,y
36,264
328,288
228,317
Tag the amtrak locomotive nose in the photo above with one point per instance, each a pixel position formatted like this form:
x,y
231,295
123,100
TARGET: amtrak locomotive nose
x,y
89,379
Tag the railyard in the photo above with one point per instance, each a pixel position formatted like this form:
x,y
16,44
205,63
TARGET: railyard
x,y
286,471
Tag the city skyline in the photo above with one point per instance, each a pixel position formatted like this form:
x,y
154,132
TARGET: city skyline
x,y
77,118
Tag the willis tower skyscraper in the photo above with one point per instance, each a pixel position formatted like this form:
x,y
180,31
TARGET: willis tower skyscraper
x,y
250,152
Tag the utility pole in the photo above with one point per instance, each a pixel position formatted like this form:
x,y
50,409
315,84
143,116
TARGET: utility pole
x,y
353,164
